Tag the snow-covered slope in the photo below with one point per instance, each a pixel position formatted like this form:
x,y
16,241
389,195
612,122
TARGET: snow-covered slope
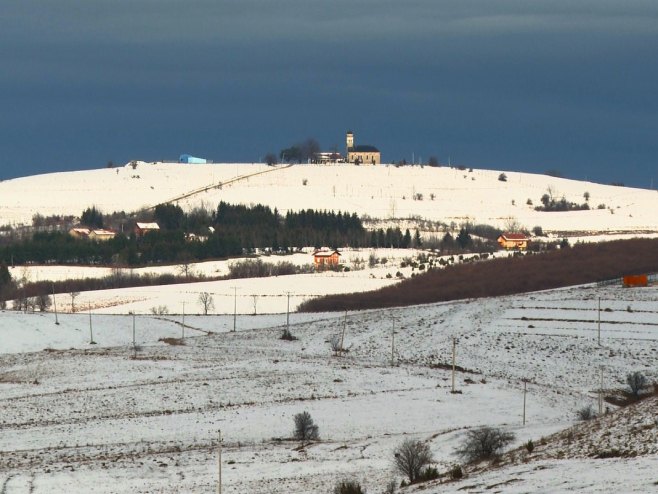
x,y
383,192
106,418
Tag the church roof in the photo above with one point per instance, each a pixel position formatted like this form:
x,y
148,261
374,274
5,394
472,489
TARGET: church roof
x,y
364,148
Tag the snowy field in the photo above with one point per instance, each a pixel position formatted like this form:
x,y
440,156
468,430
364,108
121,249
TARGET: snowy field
x,y
276,294
381,192
111,418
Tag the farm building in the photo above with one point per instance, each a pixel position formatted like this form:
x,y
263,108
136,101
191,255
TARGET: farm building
x,y
142,229
79,232
186,158
511,241
325,259
328,157
101,235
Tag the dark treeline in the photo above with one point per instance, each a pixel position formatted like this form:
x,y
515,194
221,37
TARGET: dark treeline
x,y
584,263
231,230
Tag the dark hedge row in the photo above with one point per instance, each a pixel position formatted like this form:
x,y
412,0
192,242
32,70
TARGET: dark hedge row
x,y
583,263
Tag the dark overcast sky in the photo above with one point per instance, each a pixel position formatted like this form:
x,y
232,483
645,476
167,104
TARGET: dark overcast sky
x,y
514,85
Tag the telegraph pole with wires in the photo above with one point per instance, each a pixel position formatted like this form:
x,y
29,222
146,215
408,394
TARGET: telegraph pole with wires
x,y
235,307
393,341
454,358
599,322
342,338
55,305
91,330
219,463
525,392
182,324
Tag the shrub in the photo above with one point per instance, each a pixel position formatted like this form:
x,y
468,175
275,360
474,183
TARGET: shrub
x,y
348,487
484,443
287,335
456,472
530,446
411,457
636,382
305,429
428,473
335,342
586,413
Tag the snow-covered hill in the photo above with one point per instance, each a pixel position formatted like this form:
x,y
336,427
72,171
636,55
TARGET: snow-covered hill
x,y
106,418
381,192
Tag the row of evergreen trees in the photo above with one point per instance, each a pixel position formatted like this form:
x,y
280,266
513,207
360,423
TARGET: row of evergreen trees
x,y
236,229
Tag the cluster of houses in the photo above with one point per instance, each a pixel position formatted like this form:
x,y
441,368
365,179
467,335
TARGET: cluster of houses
x,y
102,235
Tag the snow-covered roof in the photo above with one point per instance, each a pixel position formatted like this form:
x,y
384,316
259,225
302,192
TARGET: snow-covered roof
x,y
102,232
147,226
325,253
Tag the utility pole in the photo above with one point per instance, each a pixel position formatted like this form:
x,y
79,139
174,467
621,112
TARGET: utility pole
x,y
91,331
288,314
342,338
454,355
601,392
525,390
134,342
235,307
55,305
392,341
219,464
599,322
182,324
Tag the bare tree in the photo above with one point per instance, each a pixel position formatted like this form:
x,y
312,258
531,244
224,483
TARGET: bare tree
x,y
484,443
73,295
305,429
207,302
44,302
32,303
270,159
185,266
636,382
411,457
512,225
309,148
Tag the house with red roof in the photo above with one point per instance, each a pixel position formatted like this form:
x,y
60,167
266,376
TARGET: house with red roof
x,y
514,241
325,259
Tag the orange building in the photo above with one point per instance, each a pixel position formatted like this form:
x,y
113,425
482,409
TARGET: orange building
x,y
511,241
326,259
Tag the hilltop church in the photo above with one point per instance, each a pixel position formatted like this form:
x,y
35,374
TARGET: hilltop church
x,y
363,154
